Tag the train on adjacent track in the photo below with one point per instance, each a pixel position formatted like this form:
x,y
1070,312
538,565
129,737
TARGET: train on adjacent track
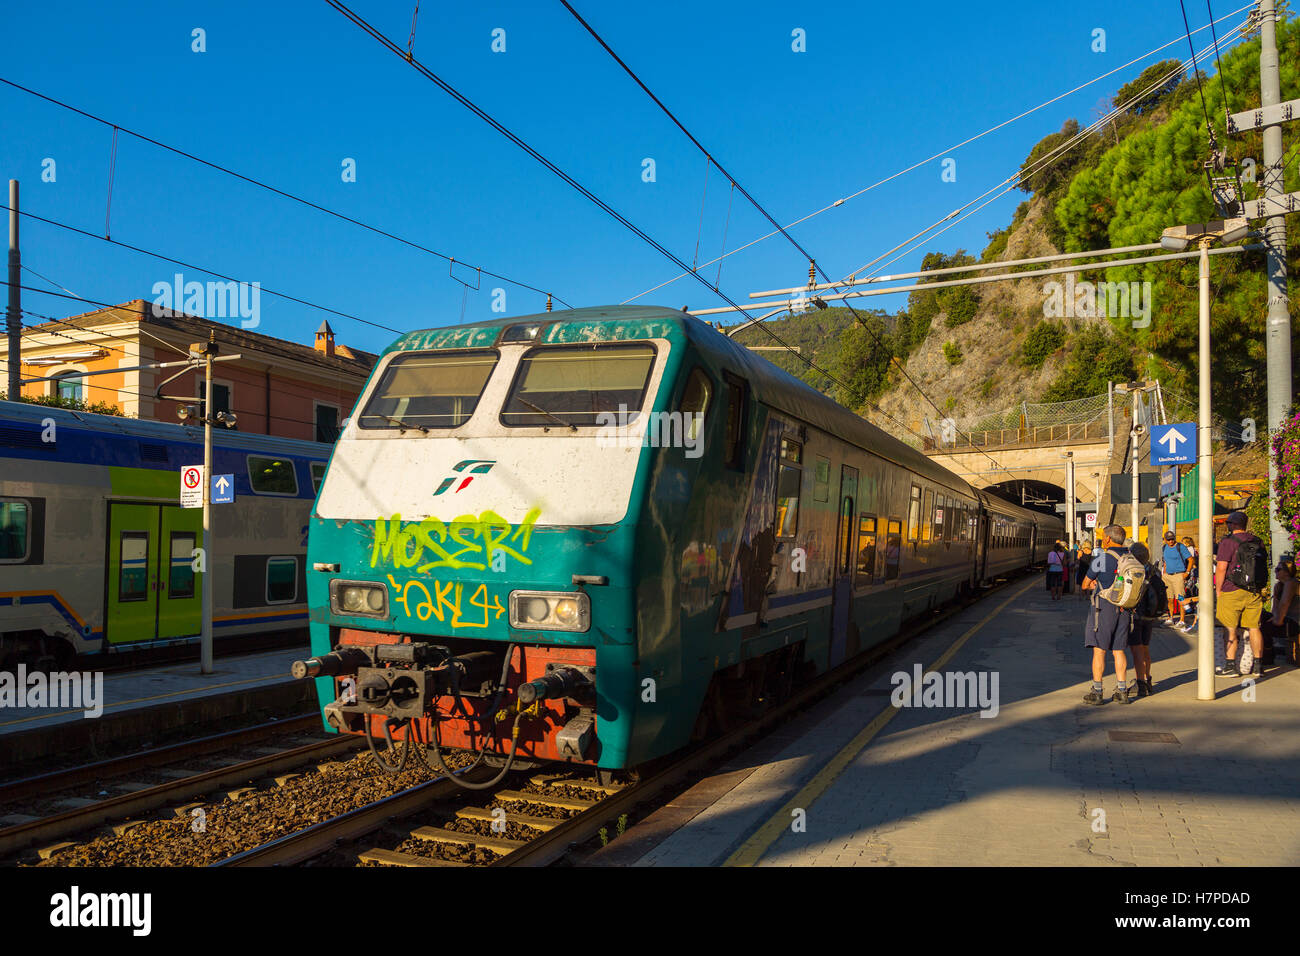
x,y
596,535
98,557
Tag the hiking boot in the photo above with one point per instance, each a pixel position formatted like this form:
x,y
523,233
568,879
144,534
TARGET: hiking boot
x,y
1094,698
1258,669
1142,688
1120,696
1151,688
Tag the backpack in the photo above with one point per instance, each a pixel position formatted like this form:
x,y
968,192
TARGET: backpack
x,y
1153,603
1126,590
1249,568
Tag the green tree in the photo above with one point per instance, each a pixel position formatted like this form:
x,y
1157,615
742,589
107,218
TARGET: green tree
x,y
1043,339
1095,358
1162,77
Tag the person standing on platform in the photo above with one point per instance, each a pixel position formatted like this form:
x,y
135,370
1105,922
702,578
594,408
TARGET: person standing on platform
x,y
1148,610
1055,570
1081,568
1108,624
1176,563
1240,579
1283,624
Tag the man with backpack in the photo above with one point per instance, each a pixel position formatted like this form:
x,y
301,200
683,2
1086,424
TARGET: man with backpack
x,y
1114,583
1240,579
1176,563
1151,605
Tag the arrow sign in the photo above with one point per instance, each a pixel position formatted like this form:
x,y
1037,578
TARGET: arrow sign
x,y
1173,444
223,489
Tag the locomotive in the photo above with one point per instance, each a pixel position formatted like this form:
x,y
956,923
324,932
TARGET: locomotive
x,y
595,535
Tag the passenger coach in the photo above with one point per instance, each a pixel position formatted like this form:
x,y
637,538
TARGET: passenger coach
x,y
592,535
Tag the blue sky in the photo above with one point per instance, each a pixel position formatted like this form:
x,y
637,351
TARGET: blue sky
x,y
286,91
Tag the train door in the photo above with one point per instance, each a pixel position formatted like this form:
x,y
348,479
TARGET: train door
x,y
151,593
981,546
842,569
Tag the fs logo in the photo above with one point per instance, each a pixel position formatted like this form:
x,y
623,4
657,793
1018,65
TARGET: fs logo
x,y
474,466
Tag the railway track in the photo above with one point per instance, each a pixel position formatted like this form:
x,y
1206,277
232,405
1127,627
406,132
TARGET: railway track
x,y
523,836
128,799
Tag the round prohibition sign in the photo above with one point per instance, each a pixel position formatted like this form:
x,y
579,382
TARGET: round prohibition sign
x,y
190,476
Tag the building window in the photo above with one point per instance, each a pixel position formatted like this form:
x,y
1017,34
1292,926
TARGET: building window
x,y
220,401
327,423
272,476
71,386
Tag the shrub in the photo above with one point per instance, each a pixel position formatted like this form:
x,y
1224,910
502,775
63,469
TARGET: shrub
x,y
952,352
1043,339
1286,488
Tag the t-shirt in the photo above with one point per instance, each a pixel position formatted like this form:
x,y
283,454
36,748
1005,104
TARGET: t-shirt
x,y
1104,566
1228,550
1176,558
1054,560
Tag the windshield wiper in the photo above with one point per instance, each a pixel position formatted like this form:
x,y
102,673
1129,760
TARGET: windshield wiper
x,y
536,408
401,424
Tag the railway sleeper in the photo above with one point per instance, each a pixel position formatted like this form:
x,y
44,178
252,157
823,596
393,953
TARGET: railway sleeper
x,y
546,800
440,835
485,815
394,858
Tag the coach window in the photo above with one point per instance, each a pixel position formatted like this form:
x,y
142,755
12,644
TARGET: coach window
x,y
733,452
893,549
787,489
927,514
180,577
317,476
281,580
695,403
272,476
15,524
866,551
133,578
914,515
821,478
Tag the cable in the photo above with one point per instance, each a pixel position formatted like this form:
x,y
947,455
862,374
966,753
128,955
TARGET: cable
x,y
141,330
187,265
269,188
944,152
1223,83
1197,73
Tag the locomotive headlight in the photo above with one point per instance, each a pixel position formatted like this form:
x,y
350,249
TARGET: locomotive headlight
x,y
550,610
359,598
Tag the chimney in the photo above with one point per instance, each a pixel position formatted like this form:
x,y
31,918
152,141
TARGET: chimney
x,y
325,339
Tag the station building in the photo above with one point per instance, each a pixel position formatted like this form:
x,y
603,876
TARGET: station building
x,y
277,387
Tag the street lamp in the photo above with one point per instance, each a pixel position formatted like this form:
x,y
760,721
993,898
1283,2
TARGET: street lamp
x,y
1177,238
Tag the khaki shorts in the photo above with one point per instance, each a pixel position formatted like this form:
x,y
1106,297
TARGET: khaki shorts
x,y
1239,608
1175,585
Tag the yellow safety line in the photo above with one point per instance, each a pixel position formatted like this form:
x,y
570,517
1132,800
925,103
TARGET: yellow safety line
x,y
752,850
138,700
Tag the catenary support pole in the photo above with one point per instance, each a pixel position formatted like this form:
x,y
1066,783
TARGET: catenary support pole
x,y
1205,499
13,314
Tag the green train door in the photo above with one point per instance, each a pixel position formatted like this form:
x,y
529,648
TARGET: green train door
x,y
151,592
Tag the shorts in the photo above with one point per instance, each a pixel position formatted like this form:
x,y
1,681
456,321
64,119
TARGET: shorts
x,y
1239,608
1175,585
1110,630
1140,634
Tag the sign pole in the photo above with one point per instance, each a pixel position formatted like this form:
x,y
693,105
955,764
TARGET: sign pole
x,y
205,632
1205,499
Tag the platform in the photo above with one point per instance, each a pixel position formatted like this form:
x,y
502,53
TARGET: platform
x,y
1165,780
151,700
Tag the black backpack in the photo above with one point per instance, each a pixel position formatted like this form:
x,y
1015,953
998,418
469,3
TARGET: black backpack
x,y
1249,568
1154,603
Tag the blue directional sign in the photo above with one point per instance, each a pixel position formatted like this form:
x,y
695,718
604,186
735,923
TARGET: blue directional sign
x,y
223,489
1173,444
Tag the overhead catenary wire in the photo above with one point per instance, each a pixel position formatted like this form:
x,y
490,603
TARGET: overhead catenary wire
x,y
938,155
252,181
188,265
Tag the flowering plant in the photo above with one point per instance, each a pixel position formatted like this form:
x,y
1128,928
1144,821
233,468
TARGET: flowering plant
x,y
1286,488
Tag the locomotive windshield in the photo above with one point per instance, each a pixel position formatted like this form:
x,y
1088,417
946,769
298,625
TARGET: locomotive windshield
x,y
438,390
573,385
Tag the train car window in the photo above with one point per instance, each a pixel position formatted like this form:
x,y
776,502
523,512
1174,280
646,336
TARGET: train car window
x,y
734,450
893,549
787,494
866,571
927,516
695,403
428,390
844,544
949,516
15,530
281,580
133,576
317,475
821,478
180,575
791,450
914,515
272,476
579,385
